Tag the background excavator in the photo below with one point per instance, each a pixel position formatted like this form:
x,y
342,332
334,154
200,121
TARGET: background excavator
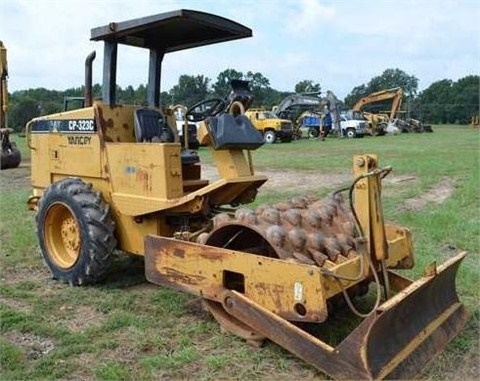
x,y
378,121
114,176
373,108
10,157
306,111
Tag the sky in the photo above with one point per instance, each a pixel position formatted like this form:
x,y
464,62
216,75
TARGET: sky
x,y
339,44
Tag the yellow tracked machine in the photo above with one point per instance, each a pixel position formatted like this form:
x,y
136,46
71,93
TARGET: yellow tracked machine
x,y
111,176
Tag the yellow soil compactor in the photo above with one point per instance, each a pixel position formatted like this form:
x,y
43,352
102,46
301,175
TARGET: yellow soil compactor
x,y
111,176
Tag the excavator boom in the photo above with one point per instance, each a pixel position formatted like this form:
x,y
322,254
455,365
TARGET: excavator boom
x,y
3,89
378,121
396,94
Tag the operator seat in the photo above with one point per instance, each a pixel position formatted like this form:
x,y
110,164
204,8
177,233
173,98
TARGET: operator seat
x,y
151,126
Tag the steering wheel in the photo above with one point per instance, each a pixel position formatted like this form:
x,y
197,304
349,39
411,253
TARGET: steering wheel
x,y
203,109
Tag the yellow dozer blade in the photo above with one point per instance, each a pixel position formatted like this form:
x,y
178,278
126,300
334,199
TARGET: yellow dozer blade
x,y
396,341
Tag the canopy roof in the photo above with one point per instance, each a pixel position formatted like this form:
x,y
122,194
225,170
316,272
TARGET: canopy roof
x,y
172,31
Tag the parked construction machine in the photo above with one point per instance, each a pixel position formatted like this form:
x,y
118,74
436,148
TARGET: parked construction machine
x,y
115,176
380,120
306,112
10,156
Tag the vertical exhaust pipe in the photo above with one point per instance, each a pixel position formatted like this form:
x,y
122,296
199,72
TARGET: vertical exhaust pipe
x,y
88,79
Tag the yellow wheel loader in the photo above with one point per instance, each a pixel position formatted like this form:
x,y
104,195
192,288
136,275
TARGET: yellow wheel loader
x,y
113,176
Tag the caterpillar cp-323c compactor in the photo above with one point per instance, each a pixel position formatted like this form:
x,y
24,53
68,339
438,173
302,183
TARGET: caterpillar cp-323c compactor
x,y
115,176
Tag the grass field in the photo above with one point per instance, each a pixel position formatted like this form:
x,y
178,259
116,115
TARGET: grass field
x,y
128,329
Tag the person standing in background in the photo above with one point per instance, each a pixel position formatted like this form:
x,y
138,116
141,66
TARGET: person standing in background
x,y
326,123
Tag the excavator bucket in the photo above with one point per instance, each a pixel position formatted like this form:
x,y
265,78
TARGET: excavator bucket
x,y
10,158
10,155
396,341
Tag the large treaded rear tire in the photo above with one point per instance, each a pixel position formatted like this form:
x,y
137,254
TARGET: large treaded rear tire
x,y
75,232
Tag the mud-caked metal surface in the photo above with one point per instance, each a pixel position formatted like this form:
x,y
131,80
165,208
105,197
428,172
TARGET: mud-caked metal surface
x,y
304,229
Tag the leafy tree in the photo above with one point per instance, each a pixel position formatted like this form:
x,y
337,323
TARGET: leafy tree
x,y
466,98
275,97
165,99
97,91
390,78
394,78
190,90
434,103
22,111
307,86
222,86
260,87
446,101
355,95
141,94
126,96
75,92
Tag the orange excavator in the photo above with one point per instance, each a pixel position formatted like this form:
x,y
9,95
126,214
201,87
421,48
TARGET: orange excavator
x,y
377,122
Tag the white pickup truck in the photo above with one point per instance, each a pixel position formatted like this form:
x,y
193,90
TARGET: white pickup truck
x,y
192,130
352,124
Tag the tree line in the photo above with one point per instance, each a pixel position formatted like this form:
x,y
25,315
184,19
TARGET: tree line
x,y
444,101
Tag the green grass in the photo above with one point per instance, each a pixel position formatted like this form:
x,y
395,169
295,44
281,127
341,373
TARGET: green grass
x,y
127,329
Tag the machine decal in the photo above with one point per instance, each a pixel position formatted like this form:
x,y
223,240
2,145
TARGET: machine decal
x,y
83,126
298,292
79,140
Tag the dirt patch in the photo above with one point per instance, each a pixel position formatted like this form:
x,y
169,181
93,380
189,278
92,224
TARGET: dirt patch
x,y
126,351
438,194
304,181
34,346
16,304
83,364
15,178
400,179
12,276
84,317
